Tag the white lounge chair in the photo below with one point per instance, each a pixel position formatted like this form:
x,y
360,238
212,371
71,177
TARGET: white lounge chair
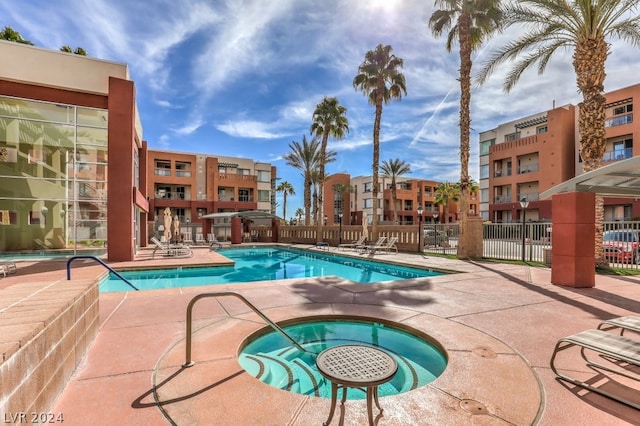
x,y
390,244
373,247
200,239
171,251
7,268
353,244
214,244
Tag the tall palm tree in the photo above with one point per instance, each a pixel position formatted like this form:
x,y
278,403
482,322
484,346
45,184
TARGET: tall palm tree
x,y
392,169
470,22
329,119
380,80
287,189
583,26
446,192
305,157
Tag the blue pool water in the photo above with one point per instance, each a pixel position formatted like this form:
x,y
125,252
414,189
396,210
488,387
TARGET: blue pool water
x,y
272,359
264,264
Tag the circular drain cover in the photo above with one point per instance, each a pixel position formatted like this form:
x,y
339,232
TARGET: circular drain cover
x,y
484,352
473,407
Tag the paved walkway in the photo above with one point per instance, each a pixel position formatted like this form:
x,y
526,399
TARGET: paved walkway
x,y
499,324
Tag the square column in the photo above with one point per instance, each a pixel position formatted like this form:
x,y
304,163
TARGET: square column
x,y
573,239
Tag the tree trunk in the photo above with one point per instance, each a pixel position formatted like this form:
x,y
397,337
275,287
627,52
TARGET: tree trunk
x,y
465,123
323,160
375,166
589,64
307,200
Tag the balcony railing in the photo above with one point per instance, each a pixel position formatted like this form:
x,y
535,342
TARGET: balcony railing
x,y
502,172
529,168
502,199
617,155
162,172
619,120
530,196
172,196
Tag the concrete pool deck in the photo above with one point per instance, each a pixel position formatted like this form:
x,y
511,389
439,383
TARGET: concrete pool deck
x,y
499,324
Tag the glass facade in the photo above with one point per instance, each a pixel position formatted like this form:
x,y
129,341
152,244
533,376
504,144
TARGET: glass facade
x,y
53,176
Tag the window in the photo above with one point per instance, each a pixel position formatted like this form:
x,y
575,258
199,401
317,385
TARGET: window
x,y
368,203
485,145
264,176
619,115
623,109
163,168
222,169
541,129
512,137
8,217
368,186
244,195
484,171
263,195
243,172
183,169
484,195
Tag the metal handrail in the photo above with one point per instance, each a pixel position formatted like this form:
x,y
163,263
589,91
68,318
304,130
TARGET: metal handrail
x,y
71,259
188,362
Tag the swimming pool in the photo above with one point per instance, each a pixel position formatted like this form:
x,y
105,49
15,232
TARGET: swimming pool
x,y
273,360
265,264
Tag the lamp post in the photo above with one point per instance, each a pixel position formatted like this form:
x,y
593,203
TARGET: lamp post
x,y
340,235
419,228
435,217
524,204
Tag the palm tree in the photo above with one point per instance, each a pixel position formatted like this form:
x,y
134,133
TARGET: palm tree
x,y
469,21
10,34
392,169
299,214
583,26
446,192
329,119
79,50
305,157
379,68
287,189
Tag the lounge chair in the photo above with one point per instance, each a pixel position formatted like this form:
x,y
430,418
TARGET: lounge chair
x,y
621,323
200,239
353,244
171,251
214,244
7,268
373,247
610,346
386,247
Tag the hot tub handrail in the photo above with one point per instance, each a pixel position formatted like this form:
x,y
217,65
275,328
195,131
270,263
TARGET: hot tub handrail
x,y
188,362
72,258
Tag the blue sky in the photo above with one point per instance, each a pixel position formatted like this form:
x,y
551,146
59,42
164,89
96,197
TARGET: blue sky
x,y
242,78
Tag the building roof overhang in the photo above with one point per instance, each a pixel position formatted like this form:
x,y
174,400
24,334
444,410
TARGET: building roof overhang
x,y
620,179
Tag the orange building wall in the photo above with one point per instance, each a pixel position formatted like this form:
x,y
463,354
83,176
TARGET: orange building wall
x,y
329,197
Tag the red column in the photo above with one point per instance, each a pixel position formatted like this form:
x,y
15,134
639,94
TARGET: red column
x,y
236,230
275,228
573,240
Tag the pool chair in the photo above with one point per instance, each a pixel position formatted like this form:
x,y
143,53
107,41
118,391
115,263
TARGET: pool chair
x,y
200,239
388,246
373,247
621,323
214,244
7,268
170,250
353,244
621,354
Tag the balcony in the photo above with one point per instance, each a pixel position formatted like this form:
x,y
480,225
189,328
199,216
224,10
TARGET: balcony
x,y
619,120
529,168
173,196
617,155
162,172
501,199
530,196
232,177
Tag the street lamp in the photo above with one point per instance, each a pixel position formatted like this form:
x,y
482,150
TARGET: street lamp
x,y
419,228
340,217
524,204
435,217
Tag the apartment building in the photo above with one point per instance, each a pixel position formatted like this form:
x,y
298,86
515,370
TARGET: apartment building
x,y
61,124
411,193
524,157
193,185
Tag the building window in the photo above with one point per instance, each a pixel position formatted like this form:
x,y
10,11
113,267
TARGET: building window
x,y
484,171
264,176
244,195
485,145
512,137
484,195
368,186
183,169
541,129
368,203
243,172
222,169
264,195
162,168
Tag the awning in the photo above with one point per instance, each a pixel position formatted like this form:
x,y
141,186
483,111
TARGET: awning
x,y
620,179
250,214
